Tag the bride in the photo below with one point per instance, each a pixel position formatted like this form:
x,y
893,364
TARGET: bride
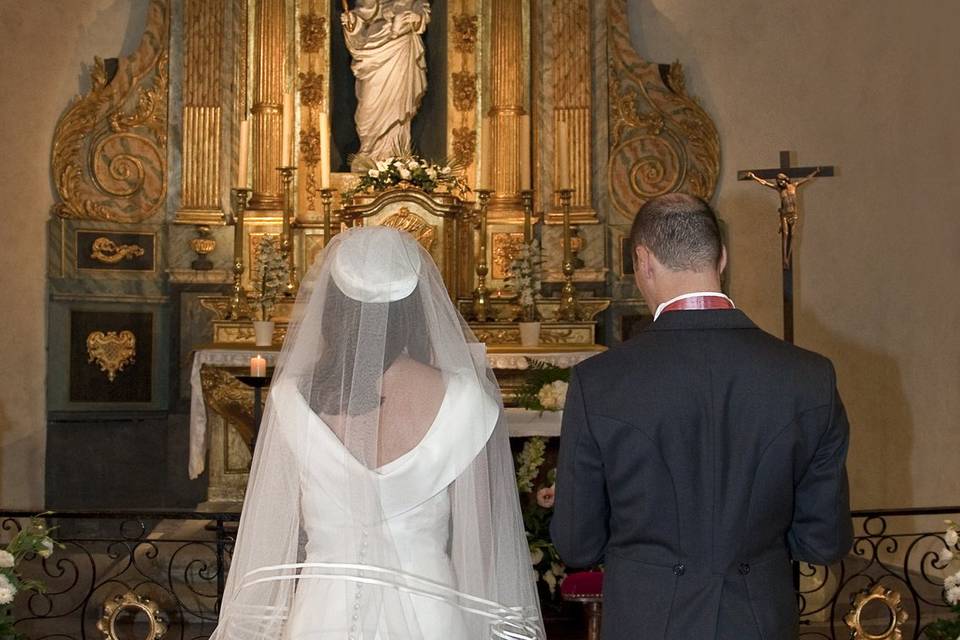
x,y
382,501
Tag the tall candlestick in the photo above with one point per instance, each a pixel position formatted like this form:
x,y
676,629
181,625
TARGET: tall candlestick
x,y
324,150
242,154
526,197
480,293
568,294
486,151
286,240
238,301
563,156
287,139
525,159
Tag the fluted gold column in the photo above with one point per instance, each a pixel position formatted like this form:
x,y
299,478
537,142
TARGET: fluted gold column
x,y
506,105
240,102
201,178
269,47
571,81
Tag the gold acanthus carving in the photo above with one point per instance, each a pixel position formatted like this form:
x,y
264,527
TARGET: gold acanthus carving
x,y
465,29
229,398
464,144
406,220
504,249
107,251
109,158
313,32
112,351
661,139
312,88
464,90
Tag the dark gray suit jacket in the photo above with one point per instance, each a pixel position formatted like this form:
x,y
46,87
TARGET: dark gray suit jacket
x,y
695,461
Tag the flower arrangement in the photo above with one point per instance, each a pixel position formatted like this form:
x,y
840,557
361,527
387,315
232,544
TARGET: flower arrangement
x,y
545,387
524,278
948,629
33,540
537,507
272,273
407,170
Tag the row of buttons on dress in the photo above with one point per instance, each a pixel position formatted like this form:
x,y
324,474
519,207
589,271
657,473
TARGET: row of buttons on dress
x,y
679,569
357,587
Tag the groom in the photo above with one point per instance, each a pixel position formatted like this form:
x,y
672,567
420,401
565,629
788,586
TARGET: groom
x,y
702,456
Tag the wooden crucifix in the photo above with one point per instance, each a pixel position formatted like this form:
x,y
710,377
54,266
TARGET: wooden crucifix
x,y
785,180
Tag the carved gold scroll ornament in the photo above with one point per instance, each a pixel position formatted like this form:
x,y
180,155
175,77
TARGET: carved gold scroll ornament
x,y
107,251
112,351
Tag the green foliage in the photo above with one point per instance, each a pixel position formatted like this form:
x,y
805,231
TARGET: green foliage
x,y
34,540
944,629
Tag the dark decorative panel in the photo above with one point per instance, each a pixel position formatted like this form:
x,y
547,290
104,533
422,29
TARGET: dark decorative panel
x,y
109,251
111,357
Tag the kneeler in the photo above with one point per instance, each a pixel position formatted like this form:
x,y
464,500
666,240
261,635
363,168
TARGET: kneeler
x,y
586,587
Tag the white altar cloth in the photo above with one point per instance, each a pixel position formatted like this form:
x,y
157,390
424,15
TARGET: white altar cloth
x,y
522,422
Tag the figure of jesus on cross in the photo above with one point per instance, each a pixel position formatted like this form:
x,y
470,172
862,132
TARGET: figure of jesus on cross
x,y
789,215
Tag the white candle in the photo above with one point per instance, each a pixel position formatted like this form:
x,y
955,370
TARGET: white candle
x,y
325,150
258,366
287,135
563,155
243,153
525,159
486,155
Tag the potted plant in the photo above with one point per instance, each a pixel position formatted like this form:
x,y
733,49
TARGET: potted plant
x,y
948,628
524,278
271,275
32,541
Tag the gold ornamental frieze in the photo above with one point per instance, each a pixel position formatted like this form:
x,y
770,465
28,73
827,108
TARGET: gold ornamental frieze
x,y
661,139
112,351
109,155
107,251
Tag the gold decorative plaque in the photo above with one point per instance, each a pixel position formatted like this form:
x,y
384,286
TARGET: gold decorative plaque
x,y
109,156
107,251
129,601
887,599
112,351
661,139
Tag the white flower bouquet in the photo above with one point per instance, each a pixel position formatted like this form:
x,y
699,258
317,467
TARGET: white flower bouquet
x,y
524,278
34,540
407,170
948,629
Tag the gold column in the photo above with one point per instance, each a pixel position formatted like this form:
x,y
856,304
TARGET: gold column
x,y
201,179
572,103
269,46
506,105
240,103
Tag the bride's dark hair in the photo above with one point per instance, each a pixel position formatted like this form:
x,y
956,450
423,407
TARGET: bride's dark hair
x,y
405,333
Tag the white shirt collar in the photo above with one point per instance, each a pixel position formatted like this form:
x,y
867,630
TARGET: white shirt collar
x,y
695,294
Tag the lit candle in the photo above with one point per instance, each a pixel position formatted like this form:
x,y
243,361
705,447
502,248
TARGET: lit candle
x,y
243,153
258,366
486,159
525,159
324,150
287,135
563,155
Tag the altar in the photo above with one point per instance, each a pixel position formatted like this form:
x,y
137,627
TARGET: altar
x,y
222,414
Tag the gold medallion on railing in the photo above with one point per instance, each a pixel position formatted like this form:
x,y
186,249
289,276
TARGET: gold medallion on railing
x,y
877,614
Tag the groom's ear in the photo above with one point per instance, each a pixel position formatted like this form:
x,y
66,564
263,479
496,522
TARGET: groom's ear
x,y
642,268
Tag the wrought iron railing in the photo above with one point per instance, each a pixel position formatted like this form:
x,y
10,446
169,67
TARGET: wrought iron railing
x,y
895,548
179,560
176,559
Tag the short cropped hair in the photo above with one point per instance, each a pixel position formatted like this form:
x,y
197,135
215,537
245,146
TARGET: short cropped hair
x,y
681,230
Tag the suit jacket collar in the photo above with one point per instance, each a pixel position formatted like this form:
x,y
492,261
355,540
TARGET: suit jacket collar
x,y
702,319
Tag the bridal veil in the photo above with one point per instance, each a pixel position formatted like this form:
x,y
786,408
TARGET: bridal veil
x,y
382,501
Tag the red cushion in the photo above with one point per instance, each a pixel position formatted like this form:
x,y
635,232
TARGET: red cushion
x,y
582,584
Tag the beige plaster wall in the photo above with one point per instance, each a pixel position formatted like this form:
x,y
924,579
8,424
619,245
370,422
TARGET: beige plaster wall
x,y
46,48
871,87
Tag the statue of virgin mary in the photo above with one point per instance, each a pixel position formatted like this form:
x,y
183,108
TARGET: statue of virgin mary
x,y
385,39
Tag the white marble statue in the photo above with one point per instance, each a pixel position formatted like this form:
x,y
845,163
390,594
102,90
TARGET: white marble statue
x,y
385,39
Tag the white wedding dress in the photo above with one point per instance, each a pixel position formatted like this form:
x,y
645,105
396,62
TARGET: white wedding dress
x,y
382,501
415,503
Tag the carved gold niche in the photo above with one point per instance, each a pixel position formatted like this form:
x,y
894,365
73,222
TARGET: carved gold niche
x,y
112,351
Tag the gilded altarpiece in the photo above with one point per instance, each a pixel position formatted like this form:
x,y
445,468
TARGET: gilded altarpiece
x,y
144,164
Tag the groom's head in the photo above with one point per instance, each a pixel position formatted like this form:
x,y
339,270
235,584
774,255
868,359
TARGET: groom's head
x,y
676,247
